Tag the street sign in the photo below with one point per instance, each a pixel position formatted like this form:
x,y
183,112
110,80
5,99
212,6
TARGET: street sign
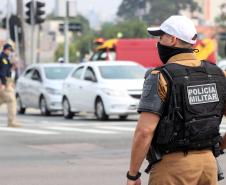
x,y
14,22
73,27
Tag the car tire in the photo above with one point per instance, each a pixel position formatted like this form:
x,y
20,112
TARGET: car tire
x,y
123,117
43,107
20,108
100,110
67,109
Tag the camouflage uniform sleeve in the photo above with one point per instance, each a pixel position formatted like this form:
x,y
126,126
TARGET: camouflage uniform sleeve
x,y
153,95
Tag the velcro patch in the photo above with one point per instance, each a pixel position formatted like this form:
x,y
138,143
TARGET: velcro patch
x,y
205,93
5,61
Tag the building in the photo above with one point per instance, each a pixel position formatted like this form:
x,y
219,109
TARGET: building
x,y
210,10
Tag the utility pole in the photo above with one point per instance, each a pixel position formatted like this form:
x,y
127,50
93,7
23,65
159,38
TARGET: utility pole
x,y
33,31
22,43
8,12
66,47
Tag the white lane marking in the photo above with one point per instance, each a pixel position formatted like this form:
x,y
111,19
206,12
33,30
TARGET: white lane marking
x,y
27,131
71,129
117,128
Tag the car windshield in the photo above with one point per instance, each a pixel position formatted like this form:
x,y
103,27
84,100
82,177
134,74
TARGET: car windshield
x,y
56,73
122,72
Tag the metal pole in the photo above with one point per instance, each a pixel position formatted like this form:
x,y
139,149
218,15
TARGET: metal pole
x,y
38,43
66,47
7,20
17,40
33,48
20,6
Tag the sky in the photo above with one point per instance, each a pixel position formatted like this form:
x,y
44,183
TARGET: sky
x,y
106,9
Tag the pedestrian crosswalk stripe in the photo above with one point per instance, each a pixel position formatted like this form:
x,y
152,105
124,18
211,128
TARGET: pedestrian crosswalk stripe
x,y
117,128
72,129
28,131
96,129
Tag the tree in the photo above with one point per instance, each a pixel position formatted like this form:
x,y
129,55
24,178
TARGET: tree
x,y
154,11
128,29
221,19
80,43
72,52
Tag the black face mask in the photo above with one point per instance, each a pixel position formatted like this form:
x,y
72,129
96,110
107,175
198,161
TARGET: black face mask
x,y
166,52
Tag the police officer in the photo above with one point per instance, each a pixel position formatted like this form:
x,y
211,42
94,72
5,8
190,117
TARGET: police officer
x,y
7,93
181,108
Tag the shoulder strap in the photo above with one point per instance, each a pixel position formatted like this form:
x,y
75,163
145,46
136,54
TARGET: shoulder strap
x,y
172,95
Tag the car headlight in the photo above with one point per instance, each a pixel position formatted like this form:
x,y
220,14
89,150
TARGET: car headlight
x,y
53,91
114,92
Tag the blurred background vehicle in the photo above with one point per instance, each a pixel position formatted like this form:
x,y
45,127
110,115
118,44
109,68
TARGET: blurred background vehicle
x,y
103,88
144,51
222,64
40,86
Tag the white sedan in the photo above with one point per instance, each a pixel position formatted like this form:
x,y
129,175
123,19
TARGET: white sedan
x,y
222,64
103,88
40,86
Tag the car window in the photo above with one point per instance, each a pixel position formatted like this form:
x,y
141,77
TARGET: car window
x,y
89,74
122,72
36,75
95,56
28,73
77,73
57,73
103,56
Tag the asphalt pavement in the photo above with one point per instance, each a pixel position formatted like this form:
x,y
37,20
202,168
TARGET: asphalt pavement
x,y
54,151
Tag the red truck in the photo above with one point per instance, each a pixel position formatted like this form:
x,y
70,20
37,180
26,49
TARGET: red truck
x,y
144,51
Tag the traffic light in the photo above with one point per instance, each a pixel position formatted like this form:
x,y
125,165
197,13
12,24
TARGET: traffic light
x,y
29,12
4,23
39,12
35,12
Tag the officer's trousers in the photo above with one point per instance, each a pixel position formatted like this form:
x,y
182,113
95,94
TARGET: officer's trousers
x,y
8,96
194,168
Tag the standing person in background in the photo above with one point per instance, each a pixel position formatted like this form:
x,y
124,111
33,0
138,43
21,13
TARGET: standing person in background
x,y
7,93
181,108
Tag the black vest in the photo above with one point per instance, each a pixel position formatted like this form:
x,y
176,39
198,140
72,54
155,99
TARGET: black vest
x,y
194,108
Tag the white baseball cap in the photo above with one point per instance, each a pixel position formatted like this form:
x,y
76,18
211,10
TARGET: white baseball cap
x,y
177,25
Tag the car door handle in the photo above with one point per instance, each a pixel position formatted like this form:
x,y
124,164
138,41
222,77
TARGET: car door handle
x,y
80,87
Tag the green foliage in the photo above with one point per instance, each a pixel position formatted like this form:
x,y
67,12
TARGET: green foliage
x,y
80,41
221,19
154,11
84,43
72,53
59,51
129,29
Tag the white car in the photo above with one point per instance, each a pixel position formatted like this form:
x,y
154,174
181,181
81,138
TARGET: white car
x,y
222,64
104,88
40,86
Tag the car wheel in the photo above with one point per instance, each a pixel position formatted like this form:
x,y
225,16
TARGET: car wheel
x,y
123,117
43,107
100,110
20,108
67,109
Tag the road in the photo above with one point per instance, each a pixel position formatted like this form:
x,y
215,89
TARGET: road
x,y
54,151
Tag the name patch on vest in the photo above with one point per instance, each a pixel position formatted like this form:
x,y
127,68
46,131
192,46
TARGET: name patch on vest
x,y
205,93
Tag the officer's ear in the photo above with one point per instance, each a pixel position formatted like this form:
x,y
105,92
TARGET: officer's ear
x,y
174,41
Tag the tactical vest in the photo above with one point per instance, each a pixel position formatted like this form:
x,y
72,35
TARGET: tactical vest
x,y
194,109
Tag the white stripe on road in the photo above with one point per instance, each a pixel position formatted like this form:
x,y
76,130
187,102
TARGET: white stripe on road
x,y
117,128
96,131
27,131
